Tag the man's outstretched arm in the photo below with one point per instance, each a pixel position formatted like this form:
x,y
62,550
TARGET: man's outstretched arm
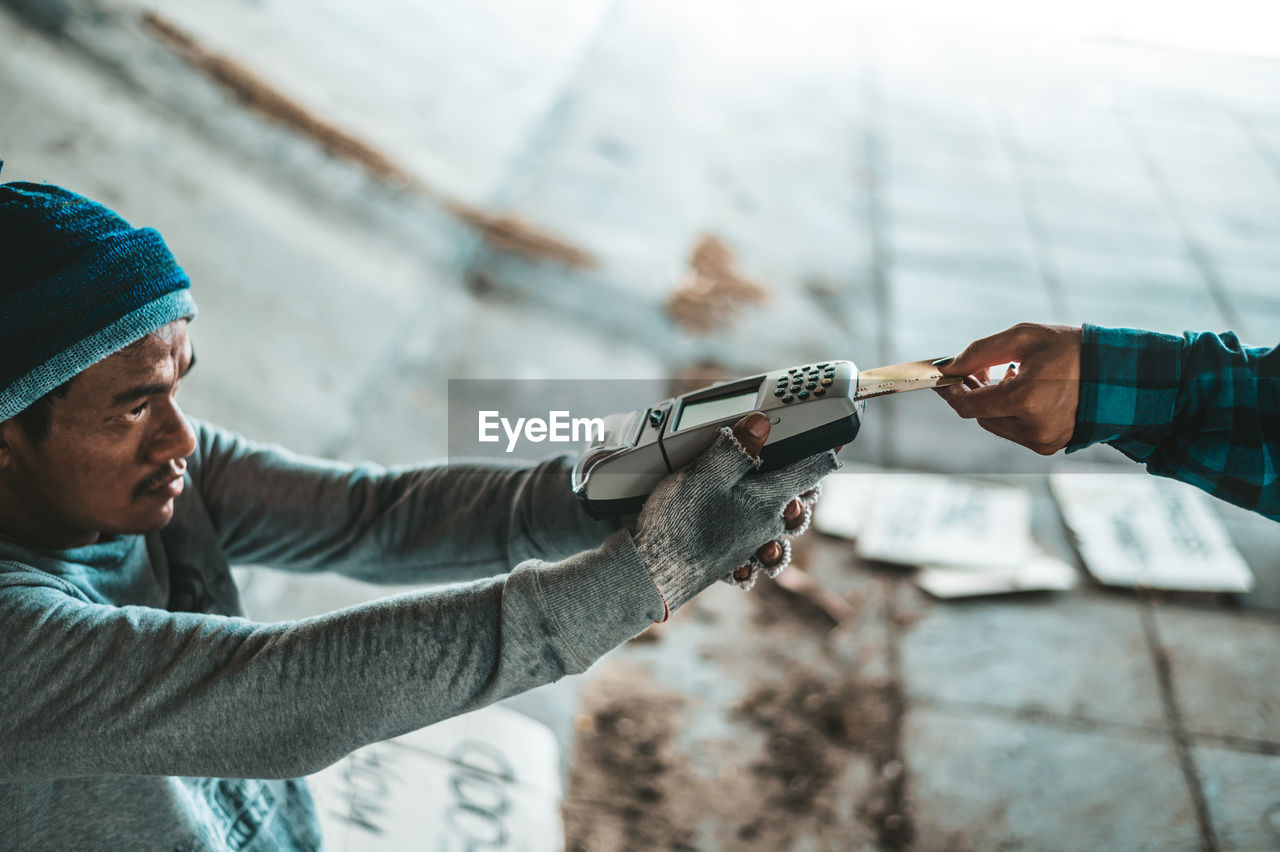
x,y
1200,407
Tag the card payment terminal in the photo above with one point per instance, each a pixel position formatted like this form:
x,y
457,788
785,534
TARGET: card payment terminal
x,y
812,408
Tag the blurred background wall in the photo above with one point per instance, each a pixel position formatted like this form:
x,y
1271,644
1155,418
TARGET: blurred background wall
x,y
374,198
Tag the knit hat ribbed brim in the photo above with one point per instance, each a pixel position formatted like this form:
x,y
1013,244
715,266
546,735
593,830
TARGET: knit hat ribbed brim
x,y
77,283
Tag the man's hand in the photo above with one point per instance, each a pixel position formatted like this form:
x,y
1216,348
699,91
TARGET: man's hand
x,y
752,431
720,513
1034,402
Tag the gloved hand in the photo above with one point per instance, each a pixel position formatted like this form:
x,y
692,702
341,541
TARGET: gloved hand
x,y
720,514
776,555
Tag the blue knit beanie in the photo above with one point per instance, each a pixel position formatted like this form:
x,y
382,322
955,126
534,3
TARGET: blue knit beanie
x,y
77,283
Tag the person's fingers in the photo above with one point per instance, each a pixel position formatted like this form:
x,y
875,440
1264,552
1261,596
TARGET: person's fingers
x,y
734,453
771,558
1021,384
999,400
793,514
752,431
799,525
980,379
774,568
1001,348
770,553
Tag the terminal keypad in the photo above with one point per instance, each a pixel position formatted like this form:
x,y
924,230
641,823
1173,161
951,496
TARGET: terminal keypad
x,y
801,382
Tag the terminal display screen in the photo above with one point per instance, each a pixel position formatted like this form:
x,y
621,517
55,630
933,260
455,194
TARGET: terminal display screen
x,y
710,410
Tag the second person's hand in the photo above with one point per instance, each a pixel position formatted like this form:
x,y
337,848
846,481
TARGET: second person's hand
x,y
1033,404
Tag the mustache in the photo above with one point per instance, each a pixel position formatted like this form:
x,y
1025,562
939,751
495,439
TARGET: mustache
x,y
170,471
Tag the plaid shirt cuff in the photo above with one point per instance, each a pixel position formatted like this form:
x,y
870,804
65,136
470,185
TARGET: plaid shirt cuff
x,y
1128,389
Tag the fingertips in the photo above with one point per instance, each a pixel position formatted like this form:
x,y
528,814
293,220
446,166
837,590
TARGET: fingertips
x,y
770,558
950,368
968,361
752,431
799,526
798,514
726,461
774,568
954,394
770,553
745,576
999,348
1000,400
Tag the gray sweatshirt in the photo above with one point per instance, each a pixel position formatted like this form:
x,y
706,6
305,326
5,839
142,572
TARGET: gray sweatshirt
x,y
140,709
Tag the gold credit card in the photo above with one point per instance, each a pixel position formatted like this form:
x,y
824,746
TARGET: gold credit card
x,y
897,378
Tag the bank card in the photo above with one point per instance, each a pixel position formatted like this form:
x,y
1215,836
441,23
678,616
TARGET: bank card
x,y
897,378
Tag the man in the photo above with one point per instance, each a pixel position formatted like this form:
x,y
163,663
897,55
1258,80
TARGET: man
x,y
1201,407
136,701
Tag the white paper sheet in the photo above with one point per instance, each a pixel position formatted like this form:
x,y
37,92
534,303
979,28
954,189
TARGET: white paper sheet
x,y
845,497
1134,529
926,519
1041,572
486,780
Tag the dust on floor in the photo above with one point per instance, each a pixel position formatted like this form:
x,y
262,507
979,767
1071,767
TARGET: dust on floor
x,y
809,756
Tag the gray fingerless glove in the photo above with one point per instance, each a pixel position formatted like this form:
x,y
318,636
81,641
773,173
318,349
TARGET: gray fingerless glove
x,y
703,521
755,567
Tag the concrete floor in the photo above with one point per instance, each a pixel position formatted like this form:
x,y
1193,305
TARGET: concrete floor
x,y
900,186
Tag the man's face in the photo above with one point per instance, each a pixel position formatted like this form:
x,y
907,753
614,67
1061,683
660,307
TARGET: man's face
x,y
115,453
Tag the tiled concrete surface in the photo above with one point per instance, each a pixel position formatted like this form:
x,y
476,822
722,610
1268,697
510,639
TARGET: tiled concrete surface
x,y
979,782
1080,657
1241,789
1226,669
901,187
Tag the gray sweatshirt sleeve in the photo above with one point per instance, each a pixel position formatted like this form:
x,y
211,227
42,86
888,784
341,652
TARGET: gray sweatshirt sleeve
x,y
98,690
392,525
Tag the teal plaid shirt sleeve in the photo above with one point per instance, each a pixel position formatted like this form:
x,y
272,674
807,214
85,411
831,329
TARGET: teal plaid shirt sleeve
x,y
1201,408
